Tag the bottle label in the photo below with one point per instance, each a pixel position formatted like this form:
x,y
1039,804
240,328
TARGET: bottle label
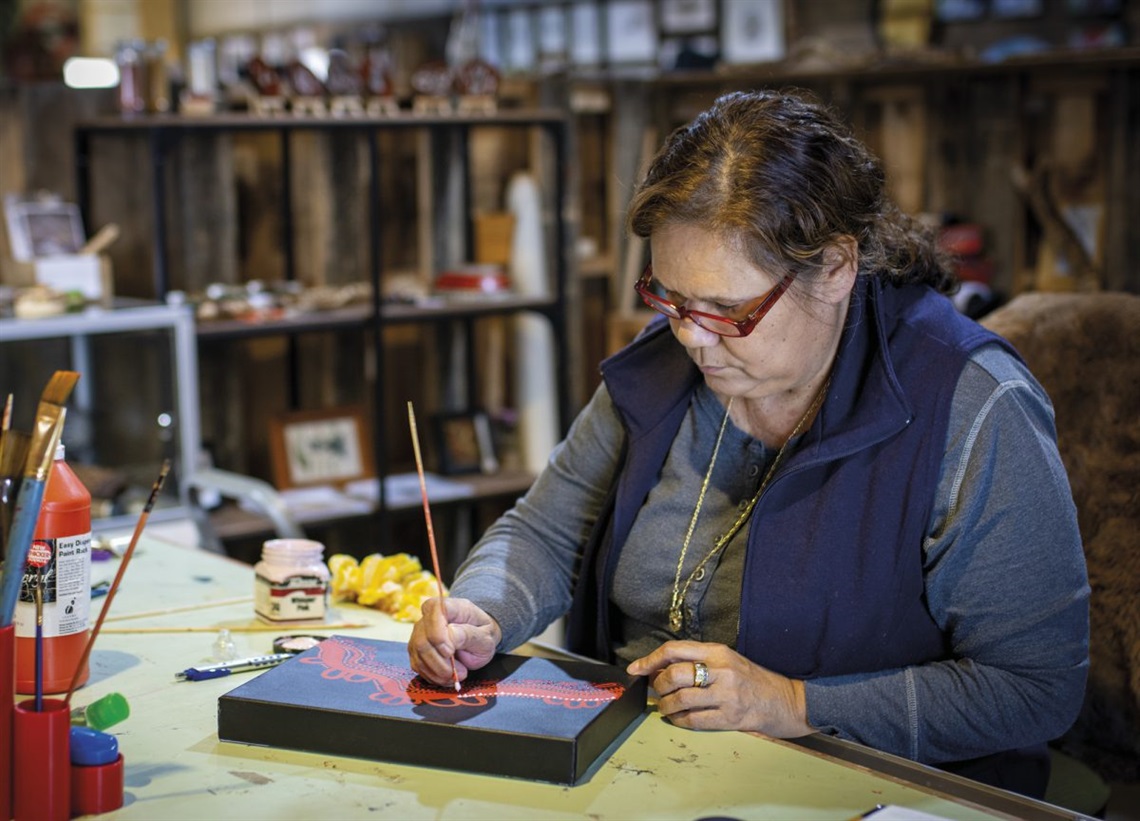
x,y
61,567
295,598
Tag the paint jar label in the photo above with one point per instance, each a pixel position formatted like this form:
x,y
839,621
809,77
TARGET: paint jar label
x,y
294,598
61,568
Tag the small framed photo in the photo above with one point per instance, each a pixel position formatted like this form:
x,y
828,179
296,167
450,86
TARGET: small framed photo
x,y
42,227
585,34
464,443
321,447
521,52
752,31
631,32
687,16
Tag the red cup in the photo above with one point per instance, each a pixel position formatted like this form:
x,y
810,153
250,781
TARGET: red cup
x,y
41,776
7,696
96,789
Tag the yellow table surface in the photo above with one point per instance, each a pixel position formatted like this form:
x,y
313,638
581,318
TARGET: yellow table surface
x,y
177,768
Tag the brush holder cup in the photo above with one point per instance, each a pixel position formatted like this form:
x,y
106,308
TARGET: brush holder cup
x,y
41,771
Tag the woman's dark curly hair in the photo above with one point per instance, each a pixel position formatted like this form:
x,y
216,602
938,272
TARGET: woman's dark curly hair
x,y
781,174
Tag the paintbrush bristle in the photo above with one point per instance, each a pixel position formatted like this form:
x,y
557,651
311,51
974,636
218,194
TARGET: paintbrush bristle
x,y
59,387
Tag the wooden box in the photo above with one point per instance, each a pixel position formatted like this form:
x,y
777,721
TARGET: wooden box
x,y
524,717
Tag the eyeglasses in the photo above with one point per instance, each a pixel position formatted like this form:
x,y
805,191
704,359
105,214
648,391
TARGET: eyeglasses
x,y
722,325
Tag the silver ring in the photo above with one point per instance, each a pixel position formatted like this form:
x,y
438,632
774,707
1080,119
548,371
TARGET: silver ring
x,y
700,674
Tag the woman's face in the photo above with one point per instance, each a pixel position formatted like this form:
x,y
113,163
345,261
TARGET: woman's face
x,y
789,350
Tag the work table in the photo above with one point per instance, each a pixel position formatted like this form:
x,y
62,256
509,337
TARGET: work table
x,y
177,768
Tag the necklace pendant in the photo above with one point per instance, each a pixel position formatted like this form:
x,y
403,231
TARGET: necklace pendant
x,y
675,620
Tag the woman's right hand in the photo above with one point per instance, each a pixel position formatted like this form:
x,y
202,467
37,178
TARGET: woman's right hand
x,y
451,628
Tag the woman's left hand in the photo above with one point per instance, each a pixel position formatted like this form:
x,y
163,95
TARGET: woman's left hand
x,y
738,695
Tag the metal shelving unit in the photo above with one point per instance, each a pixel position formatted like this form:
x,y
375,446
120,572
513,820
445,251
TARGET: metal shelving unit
x,y
163,133
134,323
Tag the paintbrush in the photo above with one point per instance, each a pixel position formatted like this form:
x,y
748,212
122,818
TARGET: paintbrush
x,y
5,422
427,517
114,588
13,454
41,454
11,463
39,640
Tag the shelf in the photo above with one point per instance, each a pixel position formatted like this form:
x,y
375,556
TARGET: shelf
x,y
464,308
232,522
357,317
249,122
921,66
163,135
348,318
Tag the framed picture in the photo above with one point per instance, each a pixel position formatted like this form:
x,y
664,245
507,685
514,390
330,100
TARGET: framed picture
x,y
321,447
521,53
752,31
42,227
464,444
585,34
631,32
688,16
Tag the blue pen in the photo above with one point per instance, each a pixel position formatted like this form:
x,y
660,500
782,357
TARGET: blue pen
x,y
227,667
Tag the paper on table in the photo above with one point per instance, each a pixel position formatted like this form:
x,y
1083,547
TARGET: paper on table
x,y
890,812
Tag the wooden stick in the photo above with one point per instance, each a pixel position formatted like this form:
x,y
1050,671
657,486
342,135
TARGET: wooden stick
x,y
144,614
154,491
427,517
244,628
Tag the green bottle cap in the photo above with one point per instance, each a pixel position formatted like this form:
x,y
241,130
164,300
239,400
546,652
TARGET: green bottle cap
x,y
105,712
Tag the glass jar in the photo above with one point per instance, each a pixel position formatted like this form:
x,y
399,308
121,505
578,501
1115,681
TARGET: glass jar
x,y
291,582
157,80
132,76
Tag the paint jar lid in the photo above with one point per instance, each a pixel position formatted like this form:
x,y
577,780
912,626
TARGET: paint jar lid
x,y
92,748
296,643
104,712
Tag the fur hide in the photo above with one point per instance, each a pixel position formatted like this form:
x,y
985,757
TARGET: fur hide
x,y
1085,350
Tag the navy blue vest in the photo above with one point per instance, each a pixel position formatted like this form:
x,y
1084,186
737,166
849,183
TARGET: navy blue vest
x,y
833,579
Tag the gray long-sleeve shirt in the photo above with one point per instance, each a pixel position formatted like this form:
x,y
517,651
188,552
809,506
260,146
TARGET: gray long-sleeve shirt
x,y
1003,567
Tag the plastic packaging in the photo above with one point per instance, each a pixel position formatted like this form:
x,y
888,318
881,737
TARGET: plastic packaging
x,y
291,582
63,529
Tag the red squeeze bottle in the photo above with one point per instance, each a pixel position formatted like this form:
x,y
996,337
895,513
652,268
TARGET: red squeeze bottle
x,y
60,560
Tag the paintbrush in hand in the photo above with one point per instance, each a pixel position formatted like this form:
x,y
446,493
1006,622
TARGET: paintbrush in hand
x,y
427,517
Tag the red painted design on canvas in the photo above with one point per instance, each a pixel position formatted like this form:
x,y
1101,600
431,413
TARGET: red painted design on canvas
x,y
400,686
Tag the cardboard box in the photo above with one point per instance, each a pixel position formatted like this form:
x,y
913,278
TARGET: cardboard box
x,y
524,717
90,274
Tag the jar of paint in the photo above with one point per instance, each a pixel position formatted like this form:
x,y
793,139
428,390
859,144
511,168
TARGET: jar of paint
x,y
291,582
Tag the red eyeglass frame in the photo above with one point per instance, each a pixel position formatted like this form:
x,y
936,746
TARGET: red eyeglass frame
x,y
742,327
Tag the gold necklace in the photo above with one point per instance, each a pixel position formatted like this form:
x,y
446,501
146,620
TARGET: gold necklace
x,y
679,592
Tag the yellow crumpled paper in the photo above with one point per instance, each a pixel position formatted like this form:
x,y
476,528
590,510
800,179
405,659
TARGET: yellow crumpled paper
x,y
397,585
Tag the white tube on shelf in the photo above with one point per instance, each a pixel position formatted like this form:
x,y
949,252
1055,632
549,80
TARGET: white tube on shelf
x,y
535,382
